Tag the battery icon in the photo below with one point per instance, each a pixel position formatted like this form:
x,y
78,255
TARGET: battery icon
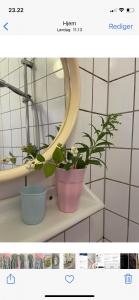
x,y
130,10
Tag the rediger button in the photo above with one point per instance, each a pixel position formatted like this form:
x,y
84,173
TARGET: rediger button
x,y
120,26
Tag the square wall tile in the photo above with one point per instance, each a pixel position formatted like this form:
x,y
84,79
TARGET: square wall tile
x,y
133,232
121,66
14,78
23,117
122,137
115,169
40,89
97,172
6,123
16,137
5,104
134,204
78,233
44,134
101,67
136,132
97,188
115,227
40,67
56,110
42,113
7,142
23,137
55,86
86,63
86,90
1,139
15,101
82,125
4,67
96,226
13,64
53,65
137,92
135,168
121,95
15,119
99,96
116,197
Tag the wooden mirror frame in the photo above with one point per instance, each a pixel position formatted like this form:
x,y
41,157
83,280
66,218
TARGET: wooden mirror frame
x,y
72,89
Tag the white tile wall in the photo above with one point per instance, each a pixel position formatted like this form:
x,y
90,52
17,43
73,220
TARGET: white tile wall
x,y
136,130
134,204
135,168
115,227
96,226
133,232
116,197
97,188
120,67
121,95
55,86
101,67
86,63
86,90
115,169
137,92
122,137
78,233
99,96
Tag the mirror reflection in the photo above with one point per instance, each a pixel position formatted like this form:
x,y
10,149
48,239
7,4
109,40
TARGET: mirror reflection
x,y
32,105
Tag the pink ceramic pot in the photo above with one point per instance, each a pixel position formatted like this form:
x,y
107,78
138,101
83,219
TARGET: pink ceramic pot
x,y
69,186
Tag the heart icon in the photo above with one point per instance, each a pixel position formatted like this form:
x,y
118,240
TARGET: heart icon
x,y
69,278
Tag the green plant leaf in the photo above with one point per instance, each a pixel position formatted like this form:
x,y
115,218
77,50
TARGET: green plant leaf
x,y
13,160
67,166
58,155
97,149
38,166
80,164
104,143
49,169
40,158
69,155
94,162
89,136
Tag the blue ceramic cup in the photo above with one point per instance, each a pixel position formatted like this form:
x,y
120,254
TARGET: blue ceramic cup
x,y
33,204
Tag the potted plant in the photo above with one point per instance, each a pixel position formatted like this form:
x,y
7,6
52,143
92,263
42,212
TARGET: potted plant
x,y
69,164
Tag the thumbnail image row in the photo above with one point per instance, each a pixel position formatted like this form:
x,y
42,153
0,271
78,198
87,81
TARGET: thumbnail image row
x,y
69,261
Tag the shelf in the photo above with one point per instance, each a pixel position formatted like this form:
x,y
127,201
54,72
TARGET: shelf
x,y
12,229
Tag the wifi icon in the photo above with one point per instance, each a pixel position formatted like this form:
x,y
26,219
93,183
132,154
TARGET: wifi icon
x,y
121,9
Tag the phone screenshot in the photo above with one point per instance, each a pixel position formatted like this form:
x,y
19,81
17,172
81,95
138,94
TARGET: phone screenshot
x,y
69,149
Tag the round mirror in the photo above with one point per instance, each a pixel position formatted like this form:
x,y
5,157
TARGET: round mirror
x,y
39,99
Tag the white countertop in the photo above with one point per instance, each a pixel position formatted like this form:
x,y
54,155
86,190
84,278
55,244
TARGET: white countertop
x,y
12,229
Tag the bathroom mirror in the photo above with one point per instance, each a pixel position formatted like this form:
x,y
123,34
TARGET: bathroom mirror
x,y
37,96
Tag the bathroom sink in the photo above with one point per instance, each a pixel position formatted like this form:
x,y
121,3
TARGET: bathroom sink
x,y
12,229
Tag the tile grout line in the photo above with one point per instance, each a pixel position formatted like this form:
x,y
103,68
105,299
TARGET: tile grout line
x,y
131,154
108,90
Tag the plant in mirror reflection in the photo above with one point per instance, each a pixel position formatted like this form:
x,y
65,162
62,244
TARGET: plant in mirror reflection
x,y
9,159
